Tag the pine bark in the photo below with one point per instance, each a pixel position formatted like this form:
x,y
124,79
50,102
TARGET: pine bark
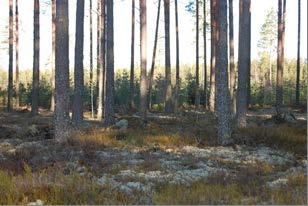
x,y
36,58
154,56
91,62
168,97
10,82
132,59
109,110
205,55
244,61
223,99
298,63
77,113
143,60
17,53
231,53
177,77
52,80
197,92
61,117
98,55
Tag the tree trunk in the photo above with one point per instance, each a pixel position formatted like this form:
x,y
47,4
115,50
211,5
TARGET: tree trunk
x,y
98,55
168,97
132,59
17,53
177,77
231,53
223,99
213,54
109,109
143,60
10,83
77,115
101,73
154,56
197,93
298,63
61,116
280,58
244,61
91,62
204,53
36,58
52,80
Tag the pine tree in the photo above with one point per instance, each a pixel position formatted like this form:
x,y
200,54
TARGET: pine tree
x,y
177,78
10,82
17,53
197,93
298,53
52,79
132,59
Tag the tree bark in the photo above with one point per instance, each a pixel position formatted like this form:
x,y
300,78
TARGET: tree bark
x,y
298,63
101,73
91,62
10,82
213,54
177,78
197,93
132,59
17,53
168,97
77,114
143,60
223,99
109,110
244,61
154,56
36,58
98,55
205,55
52,80
231,53
61,116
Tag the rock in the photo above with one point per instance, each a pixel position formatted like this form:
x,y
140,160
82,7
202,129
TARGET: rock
x,y
122,124
277,183
38,202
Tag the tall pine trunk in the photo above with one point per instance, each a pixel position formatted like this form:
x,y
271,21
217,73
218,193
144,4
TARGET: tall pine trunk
x,y
177,73
36,58
77,114
98,55
298,63
17,53
223,99
10,82
91,62
197,93
244,61
204,58
109,110
231,53
52,78
154,56
143,60
61,116
168,97
213,54
132,59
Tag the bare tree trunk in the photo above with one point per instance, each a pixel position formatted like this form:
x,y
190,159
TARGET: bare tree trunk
x,y
101,73
223,99
132,59
36,58
91,62
204,53
17,53
98,55
10,83
280,58
298,63
77,115
177,78
154,56
197,93
109,109
244,61
61,116
231,53
143,60
213,54
52,80
168,97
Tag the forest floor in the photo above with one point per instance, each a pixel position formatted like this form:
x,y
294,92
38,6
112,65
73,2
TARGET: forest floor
x,y
174,160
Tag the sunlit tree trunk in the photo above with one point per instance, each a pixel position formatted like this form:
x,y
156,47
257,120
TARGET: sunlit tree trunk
x,y
154,56
52,78
177,78
17,53
205,55
231,53
91,62
298,63
61,116
197,93
36,58
132,59
77,114
10,82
